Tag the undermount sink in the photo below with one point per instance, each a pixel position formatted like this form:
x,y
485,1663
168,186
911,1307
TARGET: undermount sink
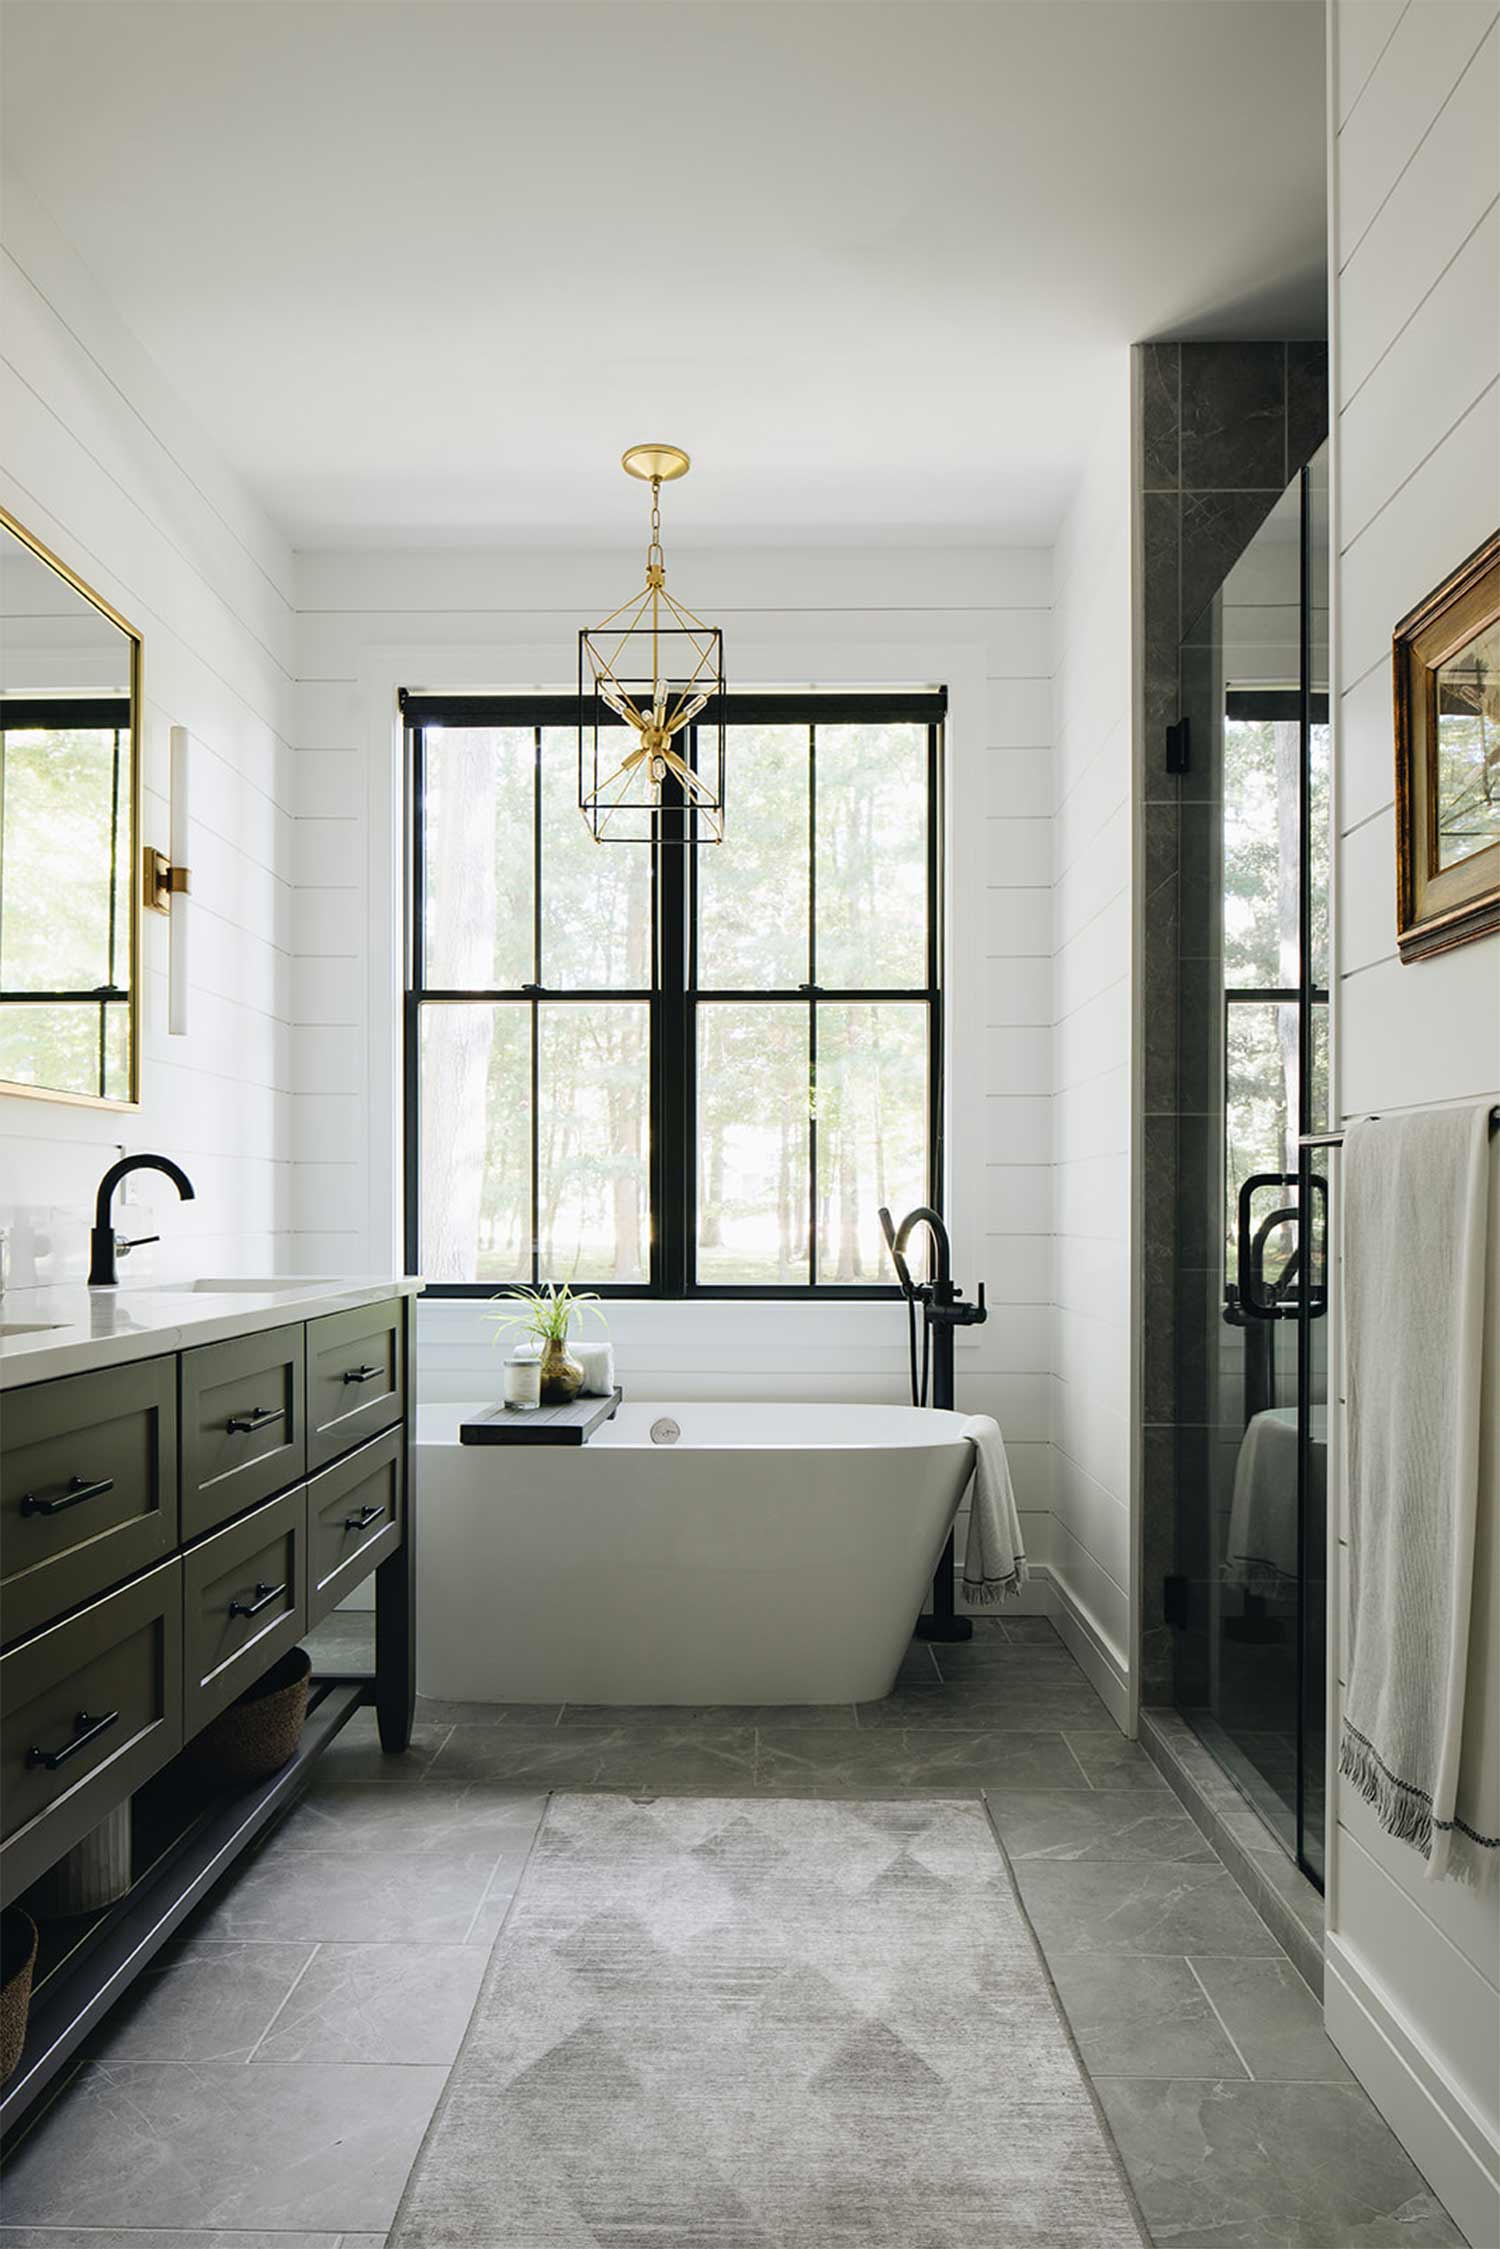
x,y
267,1285
28,1327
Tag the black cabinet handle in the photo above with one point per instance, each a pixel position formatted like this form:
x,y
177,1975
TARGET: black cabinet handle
x,y
363,1519
240,1424
85,1730
264,1596
362,1374
73,1494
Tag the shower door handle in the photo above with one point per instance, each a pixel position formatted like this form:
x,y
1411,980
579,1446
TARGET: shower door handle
x,y
1253,1301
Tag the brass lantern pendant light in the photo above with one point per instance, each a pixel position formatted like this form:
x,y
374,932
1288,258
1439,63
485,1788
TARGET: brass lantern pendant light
x,y
651,702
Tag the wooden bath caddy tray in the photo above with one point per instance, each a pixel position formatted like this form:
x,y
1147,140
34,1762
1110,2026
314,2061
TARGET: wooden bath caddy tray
x,y
541,1425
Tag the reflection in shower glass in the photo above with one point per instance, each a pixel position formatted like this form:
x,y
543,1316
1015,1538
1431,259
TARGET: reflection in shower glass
x,y
1253,1086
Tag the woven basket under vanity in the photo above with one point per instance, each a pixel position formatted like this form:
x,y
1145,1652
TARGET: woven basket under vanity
x,y
18,1941
257,1735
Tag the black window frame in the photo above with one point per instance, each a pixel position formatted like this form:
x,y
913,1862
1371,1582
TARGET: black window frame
x,y
674,995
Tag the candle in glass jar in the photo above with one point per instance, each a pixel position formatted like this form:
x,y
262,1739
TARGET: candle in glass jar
x,y
523,1383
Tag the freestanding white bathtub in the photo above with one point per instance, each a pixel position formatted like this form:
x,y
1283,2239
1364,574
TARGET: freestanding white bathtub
x,y
772,1554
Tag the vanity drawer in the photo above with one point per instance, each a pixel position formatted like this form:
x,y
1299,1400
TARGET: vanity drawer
x,y
242,1425
356,1378
244,1603
88,1487
91,1709
354,1518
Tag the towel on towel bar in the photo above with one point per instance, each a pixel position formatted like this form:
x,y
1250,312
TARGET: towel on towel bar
x,y
994,1563
1416,1221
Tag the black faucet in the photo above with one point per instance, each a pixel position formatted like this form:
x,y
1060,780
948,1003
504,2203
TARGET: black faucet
x,y
104,1244
943,1310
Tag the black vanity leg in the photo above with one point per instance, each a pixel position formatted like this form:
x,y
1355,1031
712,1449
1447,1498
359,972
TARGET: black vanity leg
x,y
396,1645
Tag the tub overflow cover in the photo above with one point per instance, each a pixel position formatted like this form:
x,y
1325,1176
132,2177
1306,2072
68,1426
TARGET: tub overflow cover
x,y
665,1432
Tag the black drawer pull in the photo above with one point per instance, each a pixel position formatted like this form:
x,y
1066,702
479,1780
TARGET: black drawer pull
x,y
264,1596
365,1517
240,1424
73,1494
86,1729
362,1374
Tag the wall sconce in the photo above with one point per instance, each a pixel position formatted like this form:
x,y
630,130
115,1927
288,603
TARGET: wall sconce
x,y
167,886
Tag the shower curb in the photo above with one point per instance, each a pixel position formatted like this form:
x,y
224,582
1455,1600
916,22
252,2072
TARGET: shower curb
x,y
1281,1894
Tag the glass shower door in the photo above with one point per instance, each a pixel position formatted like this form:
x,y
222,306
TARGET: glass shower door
x,y
1252,1087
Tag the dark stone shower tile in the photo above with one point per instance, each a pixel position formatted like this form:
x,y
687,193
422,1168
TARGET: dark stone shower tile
x,y
1159,845
1233,416
1160,427
1216,529
1161,537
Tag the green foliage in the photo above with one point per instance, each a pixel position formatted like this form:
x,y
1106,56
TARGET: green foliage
x,y
547,1313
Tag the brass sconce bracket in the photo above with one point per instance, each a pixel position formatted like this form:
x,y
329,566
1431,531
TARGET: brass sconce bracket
x,y
160,881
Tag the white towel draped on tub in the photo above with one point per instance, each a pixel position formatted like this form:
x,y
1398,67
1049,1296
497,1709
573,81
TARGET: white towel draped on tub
x,y
1416,1195
994,1563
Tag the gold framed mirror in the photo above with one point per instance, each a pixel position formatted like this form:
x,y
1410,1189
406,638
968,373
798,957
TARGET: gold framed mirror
x,y
1446,657
70,823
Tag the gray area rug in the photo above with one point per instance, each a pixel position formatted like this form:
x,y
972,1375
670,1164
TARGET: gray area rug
x,y
766,2024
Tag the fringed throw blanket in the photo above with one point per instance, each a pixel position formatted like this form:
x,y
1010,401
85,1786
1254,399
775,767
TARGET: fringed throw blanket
x,y
1416,1201
994,1562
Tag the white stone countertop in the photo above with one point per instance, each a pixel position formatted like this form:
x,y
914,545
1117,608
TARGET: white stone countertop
x,y
70,1329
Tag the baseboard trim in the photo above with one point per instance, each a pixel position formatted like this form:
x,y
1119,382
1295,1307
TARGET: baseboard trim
x,y
1452,2146
1092,1652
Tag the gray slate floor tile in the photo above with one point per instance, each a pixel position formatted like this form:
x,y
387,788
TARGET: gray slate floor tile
x,y
1142,2018
350,1897
1110,1761
426,1817
1249,2166
1273,2019
711,1717
1134,1906
377,2003
990,1702
1023,1631
355,1752
1089,1823
915,1758
200,2002
220,2146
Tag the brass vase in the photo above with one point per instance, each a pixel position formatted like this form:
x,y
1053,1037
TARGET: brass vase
x,y
562,1376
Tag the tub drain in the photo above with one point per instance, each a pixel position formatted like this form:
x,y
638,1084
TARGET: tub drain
x,y
666,1431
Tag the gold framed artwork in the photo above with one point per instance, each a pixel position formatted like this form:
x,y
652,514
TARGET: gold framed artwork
x,y
1446,664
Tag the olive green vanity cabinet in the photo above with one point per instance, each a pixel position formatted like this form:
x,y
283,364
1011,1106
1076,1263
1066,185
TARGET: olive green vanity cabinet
x,y
242,1424
89,1709
244,1603
88,1487
356,1378
169,1527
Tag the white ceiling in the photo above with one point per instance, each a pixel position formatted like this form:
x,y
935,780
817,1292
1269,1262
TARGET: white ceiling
x,y
422,270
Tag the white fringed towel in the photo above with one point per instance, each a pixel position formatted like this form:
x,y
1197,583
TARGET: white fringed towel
x,y
1416,1196
994,1562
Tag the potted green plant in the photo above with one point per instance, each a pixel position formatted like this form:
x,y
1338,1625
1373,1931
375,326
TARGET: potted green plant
x,y
548,1313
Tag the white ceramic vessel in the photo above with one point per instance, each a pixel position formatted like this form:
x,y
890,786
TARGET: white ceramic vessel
x,y
770,1554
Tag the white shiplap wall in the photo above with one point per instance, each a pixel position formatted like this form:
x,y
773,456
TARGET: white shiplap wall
x,y
976,620
1413,1967
1093,986
102,463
